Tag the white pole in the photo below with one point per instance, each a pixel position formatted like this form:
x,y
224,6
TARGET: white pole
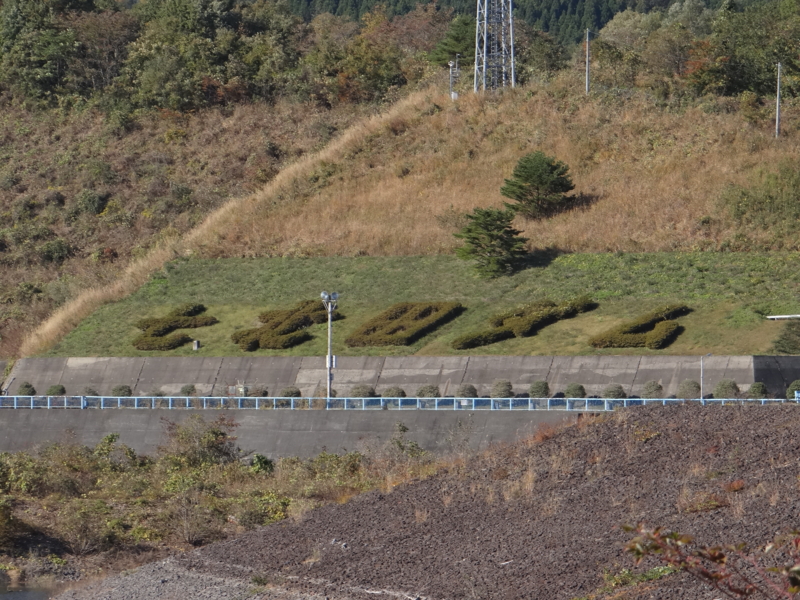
x,y
587,62
778,105
511,34
701,378
329,307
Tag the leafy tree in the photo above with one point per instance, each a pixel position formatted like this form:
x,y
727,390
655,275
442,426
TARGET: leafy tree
x,y
539,184
490,241
539,55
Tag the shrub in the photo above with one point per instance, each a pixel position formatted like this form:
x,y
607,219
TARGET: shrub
x,y
291,392
539,389
54,251
258,391
575,390
653,330
283,329
466,390
200,443
262,464
394,392
726,388
757,390
501,389
482,338
91,202
121,390
788,341
793,387
363,391
614,390
524,321
652,389
56,390
404,323
188,390
688,390
429,391
89,391
157,331
26,389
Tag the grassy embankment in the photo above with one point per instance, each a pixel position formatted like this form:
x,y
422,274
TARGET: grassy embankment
x,y
729,293
398,185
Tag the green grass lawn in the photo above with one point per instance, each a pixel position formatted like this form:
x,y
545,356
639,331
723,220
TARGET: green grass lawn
x,y
729,294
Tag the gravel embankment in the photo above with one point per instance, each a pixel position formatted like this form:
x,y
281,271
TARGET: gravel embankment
x,y
535,520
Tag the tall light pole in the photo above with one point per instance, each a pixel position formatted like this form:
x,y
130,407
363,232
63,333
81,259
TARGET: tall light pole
x,y
778,105
701,374
329,302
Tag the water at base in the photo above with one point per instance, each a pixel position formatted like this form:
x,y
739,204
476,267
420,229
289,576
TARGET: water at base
x,y
23,594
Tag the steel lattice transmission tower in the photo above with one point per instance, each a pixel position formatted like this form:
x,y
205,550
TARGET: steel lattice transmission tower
x,y
494,45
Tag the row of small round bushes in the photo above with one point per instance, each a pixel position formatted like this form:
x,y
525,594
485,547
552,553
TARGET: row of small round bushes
x,y
654,330
156,330
404,323
283,329
523,322
688,389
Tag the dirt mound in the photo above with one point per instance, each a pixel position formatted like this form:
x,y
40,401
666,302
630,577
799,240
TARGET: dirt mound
x,y
540,519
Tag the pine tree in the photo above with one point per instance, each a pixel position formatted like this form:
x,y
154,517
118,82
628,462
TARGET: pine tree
x,y
491,242
459,39
539,184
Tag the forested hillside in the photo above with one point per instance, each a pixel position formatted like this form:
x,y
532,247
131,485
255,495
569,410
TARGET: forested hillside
x,y
124,124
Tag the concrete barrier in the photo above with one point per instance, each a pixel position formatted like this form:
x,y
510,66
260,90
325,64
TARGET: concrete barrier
x,y
273,433
214,376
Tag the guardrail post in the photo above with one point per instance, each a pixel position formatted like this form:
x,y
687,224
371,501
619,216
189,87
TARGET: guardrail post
x,y
292,403
152,402
31,402
83,402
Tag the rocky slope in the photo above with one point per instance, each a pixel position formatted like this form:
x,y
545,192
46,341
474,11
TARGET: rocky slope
x,y
540,519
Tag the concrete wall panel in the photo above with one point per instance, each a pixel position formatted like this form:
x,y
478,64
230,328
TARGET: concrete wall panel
x,y
100,374
594,372
40,372
669,371
169,374
350,371
521,371
275,373
412,372
272,433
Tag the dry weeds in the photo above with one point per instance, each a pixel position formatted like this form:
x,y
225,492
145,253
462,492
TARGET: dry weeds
x,y
653,175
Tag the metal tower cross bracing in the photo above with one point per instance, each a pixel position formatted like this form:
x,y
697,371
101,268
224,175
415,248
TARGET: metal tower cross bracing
x,y
494,45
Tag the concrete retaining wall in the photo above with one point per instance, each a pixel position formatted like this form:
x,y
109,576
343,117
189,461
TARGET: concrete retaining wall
x,y
268,432
213,376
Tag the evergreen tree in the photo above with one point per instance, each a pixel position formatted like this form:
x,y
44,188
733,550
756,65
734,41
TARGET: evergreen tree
x,y
459,39
491,242
539,185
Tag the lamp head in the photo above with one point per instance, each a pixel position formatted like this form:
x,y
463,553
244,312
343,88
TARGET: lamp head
x,y
324,296
334,296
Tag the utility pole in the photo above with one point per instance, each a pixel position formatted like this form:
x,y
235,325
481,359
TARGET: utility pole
x,y
587,62
778,105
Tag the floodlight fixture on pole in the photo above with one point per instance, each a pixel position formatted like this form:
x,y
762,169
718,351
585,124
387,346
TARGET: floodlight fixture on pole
x,y
494,45
701,375
329,302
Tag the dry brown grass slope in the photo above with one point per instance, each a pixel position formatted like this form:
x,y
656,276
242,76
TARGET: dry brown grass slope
x,y
654,174
395,183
